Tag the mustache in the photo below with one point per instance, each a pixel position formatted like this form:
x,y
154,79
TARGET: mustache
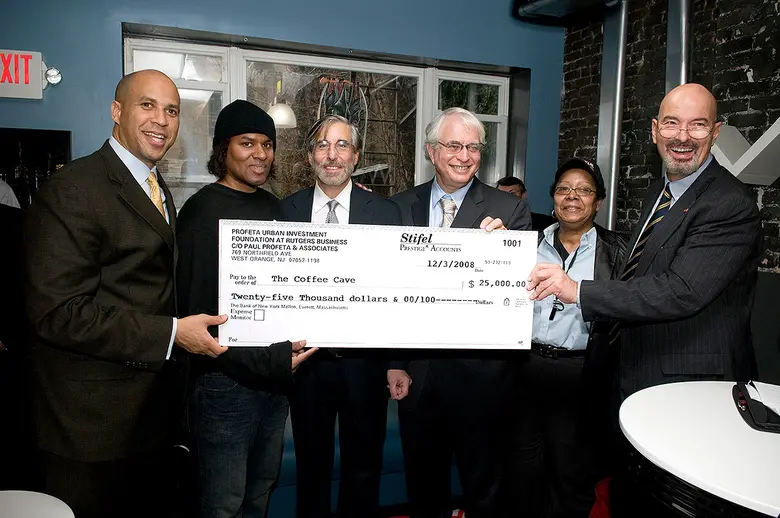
x,y
332,163
676,143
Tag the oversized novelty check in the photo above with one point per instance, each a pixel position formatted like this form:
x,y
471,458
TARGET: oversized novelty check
x,y
374,286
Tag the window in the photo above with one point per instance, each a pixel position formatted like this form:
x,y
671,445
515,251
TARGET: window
x,y
390,104
200,73
380,100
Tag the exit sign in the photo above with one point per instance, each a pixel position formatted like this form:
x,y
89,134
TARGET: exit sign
x,y
20,74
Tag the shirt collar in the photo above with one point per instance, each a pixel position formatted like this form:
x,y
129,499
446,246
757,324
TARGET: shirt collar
x,y
678,187
138,169
587,239
458,196
321,199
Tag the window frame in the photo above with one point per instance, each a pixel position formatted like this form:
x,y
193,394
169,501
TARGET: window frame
x,y
224,86
233,86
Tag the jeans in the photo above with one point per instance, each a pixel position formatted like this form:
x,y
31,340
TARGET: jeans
x,y
239,434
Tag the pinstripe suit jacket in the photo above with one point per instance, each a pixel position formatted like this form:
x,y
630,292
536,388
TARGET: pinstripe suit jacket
x,y
686,312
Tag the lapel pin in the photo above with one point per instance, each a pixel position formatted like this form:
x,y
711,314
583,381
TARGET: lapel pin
x,y
685,211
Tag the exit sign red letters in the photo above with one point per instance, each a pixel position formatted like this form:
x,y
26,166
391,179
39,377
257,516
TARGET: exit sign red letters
x,y
20,74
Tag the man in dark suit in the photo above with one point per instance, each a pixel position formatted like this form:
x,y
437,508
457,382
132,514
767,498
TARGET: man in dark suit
x,y
100,296
350,384
457,403
686,292
15,443
516,187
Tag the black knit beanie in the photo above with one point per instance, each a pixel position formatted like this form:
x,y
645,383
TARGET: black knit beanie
x,y
241,117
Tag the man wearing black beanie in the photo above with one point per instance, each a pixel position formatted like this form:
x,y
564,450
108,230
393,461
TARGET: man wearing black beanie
x,y
239,399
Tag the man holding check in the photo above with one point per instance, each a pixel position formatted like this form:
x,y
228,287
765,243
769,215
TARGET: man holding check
x,y
457,402
352,386
239,402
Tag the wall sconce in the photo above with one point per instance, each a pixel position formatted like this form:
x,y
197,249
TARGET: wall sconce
x,y
51,76
281,113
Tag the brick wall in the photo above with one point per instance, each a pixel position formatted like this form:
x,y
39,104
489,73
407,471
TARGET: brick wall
x,y
580,94
734,52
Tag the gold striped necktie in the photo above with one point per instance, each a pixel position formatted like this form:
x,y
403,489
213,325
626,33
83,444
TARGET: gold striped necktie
x,y
448,207
154,192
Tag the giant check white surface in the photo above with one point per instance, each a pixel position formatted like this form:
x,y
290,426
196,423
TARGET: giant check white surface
x,y
374,286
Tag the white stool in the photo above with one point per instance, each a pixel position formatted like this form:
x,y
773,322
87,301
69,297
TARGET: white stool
x,y
28,504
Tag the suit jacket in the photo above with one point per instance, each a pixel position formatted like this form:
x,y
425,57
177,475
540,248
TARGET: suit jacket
x,y
487,379
12,318
686,312
363,368
100,296
539,221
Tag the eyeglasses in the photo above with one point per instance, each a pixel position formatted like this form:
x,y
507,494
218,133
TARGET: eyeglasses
x,y
697,130
342,146
455,147
565,190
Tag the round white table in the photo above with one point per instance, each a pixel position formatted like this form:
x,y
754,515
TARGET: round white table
x,y
694,431
26,504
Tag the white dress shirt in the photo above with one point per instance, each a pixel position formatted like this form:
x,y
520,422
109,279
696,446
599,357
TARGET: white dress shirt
x,y
319,208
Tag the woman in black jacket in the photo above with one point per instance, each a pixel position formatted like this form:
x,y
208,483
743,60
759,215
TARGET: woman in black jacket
x,y
570,367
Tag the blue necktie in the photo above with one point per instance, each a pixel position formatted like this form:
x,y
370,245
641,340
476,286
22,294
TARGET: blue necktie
x,y
655,219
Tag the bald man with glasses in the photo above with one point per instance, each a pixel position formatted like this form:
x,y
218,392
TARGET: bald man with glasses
x,y
683,301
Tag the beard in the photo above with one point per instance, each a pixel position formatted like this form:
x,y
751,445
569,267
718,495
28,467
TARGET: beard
x,y
330,178
681,169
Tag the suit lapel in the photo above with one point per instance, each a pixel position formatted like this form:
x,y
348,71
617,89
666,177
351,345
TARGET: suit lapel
x,y
301,206
470,212
360,212
135,197
654,191
674,218
421,208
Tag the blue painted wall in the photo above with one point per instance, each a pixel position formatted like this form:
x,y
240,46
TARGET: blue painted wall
x,y
83,39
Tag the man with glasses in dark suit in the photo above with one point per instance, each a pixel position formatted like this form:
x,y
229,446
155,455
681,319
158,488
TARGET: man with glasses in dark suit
x,y
516,187
348,385
458,402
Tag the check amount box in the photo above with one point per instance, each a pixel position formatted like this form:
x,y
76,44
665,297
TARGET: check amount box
x,y
260,314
